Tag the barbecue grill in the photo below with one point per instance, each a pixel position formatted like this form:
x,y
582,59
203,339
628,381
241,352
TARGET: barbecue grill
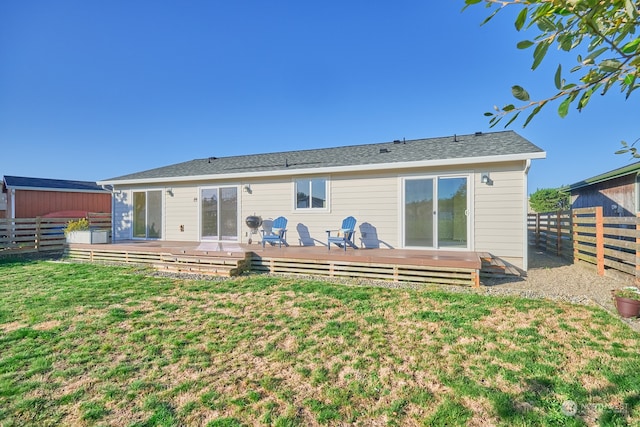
x,y
253,222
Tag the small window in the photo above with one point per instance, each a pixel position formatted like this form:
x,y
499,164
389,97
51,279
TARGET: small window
x,y
311,193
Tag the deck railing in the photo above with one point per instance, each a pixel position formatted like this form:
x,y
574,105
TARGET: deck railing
x,y
24,235
587,235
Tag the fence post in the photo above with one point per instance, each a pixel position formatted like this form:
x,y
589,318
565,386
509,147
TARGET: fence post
x,y
558,233
637,248
574,236
600,240
537,234
38,233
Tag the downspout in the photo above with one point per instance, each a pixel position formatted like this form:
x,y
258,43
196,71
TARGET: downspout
x,y
525,208
113,215
110,189
13,204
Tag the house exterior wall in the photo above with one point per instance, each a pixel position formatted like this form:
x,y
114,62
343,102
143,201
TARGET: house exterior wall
x,y
499,212
619,192
373,198
34,203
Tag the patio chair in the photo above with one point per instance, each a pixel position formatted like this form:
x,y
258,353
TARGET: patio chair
x,y
277,234
344,236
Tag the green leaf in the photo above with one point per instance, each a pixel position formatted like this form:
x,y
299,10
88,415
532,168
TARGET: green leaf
x,y
532,115
520,93
610,65
563,109
470,2
508,108
521,19
539,54
584,99
629,79
631,47
630,8
515,116
488,114
558,77
593,55
524,44
495,12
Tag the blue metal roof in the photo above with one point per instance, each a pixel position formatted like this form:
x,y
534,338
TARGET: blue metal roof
x,y
21,182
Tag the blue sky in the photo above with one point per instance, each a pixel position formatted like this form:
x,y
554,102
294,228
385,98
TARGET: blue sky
x,y
94,90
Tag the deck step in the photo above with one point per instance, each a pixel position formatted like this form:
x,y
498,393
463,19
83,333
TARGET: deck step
x,y
193,262
494,267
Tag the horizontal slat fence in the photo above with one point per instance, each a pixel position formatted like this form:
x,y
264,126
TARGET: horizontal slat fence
x,y
551,232
25,235
586,235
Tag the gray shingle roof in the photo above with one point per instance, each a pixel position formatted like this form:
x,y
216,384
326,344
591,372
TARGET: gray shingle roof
x,y
450,147
51,184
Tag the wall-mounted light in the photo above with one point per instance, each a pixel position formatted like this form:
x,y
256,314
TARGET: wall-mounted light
x,y
486,178
169,191
247,188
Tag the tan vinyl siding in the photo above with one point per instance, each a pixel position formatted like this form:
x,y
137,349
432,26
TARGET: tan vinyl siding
x,y
348,195
181,209
499,212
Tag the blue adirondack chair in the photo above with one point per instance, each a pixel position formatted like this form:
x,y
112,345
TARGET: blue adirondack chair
x,y
277,234
343,237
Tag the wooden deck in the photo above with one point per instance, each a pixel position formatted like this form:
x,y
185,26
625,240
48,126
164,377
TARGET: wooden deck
x,y
230,259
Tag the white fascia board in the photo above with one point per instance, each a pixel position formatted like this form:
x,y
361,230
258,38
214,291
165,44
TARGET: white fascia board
x,y
334,169
59,190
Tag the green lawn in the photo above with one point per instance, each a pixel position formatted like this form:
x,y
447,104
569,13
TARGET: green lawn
x,y
85,344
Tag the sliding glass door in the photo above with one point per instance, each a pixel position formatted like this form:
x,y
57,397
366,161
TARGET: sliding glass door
x,y
435,212
219,214
147,214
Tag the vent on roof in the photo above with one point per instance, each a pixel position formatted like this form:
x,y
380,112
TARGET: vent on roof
x,y
397,141
455,138
384,150
211,159
478,133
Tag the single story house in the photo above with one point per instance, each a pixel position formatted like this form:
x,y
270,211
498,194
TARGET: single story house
x,y
460,192
33,197
616,191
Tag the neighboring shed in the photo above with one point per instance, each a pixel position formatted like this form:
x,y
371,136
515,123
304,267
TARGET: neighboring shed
x,y
616,191
3,205
459,192
34,197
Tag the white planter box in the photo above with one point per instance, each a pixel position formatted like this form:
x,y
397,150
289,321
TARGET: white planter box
x,y
87,236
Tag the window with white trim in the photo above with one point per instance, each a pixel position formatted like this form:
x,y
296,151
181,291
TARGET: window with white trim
x,y
310,193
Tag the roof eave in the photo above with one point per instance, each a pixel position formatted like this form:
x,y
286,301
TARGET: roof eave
x,y
64,190
333,169
617,173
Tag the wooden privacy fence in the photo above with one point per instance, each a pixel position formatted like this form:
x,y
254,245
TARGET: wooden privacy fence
x,y
551,232
586,235
23,235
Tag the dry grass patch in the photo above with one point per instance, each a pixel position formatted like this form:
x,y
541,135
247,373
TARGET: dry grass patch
x,y
104,345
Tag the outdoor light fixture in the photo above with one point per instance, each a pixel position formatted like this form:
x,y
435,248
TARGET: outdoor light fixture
x,y
486,179
247,188
170,191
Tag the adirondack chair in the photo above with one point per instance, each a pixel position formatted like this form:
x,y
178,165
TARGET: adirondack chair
x,y
277,234
343,237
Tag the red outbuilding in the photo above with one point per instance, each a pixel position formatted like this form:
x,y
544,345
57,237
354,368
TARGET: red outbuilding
x,y
25,197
